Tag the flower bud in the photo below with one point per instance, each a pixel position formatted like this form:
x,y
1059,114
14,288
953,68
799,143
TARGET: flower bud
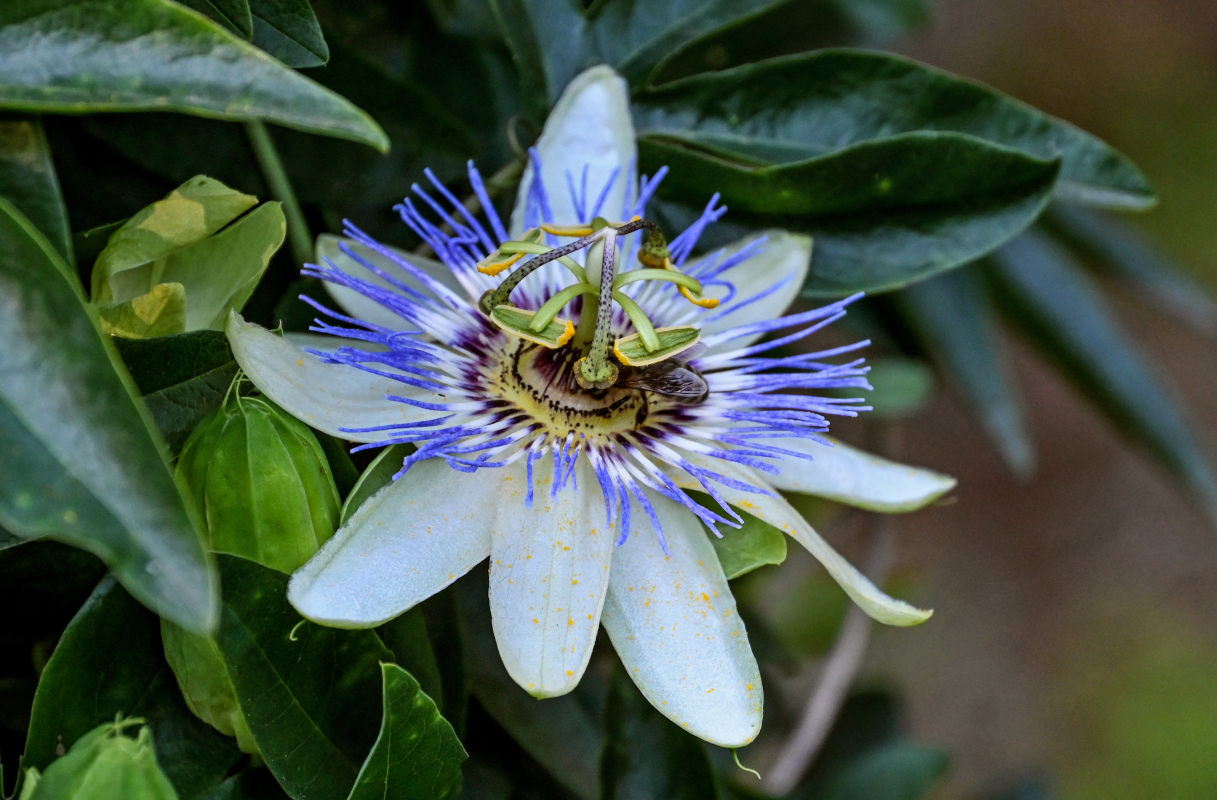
x,y
261,484
104,763
264,491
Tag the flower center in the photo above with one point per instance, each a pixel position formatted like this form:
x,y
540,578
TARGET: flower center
x,y
541,383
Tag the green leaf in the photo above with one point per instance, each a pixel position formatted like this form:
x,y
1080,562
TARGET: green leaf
x,y
132,261
308,693
190,238
637,37
417,754
950,315
548,40
814,104
741,550
1053,302
161,311
1117,249
27,179
232,14
254,783
894,771
144,55
883,213
183,378
645,755
109,661
82,466
289,31
406,635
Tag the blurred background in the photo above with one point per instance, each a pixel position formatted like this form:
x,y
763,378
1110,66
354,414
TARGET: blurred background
x,y
1074,642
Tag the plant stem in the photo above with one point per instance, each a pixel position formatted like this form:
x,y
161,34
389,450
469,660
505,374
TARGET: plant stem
x,y
298,235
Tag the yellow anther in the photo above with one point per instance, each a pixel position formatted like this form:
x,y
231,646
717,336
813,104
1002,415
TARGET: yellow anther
x,y
704,302
488,267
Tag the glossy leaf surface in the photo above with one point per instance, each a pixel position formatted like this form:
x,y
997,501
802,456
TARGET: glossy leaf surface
x,y
143,55
82,464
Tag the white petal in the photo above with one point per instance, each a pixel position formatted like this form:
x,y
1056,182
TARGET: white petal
x,y
673,621
363,307
328,397
549,569
780,514
857,478
590,126
404,544
781,260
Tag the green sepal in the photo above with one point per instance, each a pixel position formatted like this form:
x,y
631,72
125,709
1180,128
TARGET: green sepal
x,y
161,311
631,351
517,321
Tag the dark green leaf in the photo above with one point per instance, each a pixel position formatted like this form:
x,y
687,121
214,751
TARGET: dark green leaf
x,y
183,378
289,31
81,464
109,661
636,37
1116,248
895,771
558,733
157,365
142,55
309,694
406,636
1053,302
950,314
884,213
232,14
645,755
255,783
882,19
27,179
417,755
796,108
548,40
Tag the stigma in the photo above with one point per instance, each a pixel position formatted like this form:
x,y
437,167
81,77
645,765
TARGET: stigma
x,y
601,354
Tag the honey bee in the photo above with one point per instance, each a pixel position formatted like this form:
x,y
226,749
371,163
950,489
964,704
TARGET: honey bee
x,y
673,379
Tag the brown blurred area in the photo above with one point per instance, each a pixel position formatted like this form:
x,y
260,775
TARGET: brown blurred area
x,y
1075,632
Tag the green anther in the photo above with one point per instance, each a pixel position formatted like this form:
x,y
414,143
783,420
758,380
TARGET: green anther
x,y
646,331
669,275
553,305
654,249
